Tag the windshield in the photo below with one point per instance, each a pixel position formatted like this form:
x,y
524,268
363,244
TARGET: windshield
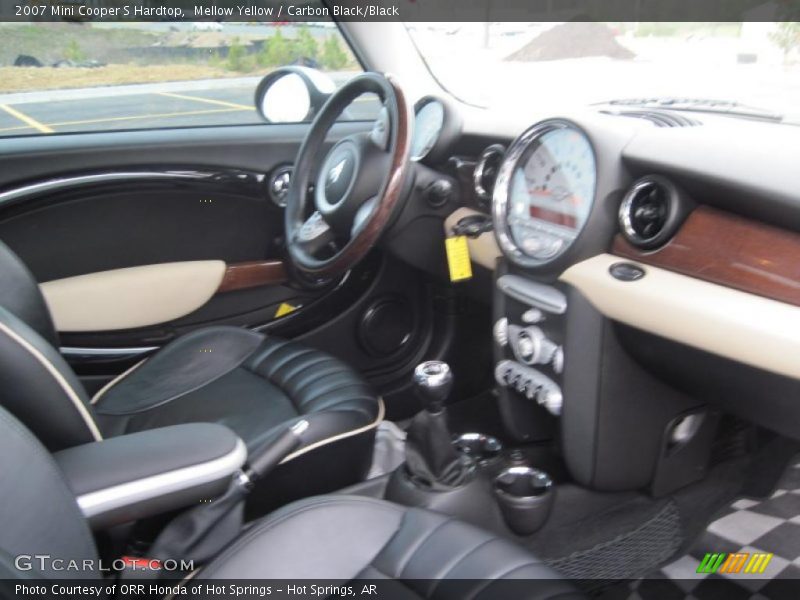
x,y
580,63
95,76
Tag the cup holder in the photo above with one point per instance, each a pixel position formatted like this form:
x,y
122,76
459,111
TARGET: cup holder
x,y
522,482
525,496
481,448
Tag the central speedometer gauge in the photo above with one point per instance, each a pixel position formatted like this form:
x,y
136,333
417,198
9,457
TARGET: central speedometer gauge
x,y
544,192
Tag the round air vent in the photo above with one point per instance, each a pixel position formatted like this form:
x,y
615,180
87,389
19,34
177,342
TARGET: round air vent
x,y
278,186
652,211
485,171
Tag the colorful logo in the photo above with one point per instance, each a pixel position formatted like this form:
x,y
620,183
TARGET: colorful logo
x,y
737,562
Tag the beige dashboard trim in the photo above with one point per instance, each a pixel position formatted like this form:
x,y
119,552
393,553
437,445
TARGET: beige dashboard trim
x,y
743,327
483,250
132,297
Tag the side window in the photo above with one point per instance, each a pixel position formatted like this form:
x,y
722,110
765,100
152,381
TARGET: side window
x,y
67,77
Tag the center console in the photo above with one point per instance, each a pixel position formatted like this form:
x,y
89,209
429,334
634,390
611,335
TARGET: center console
x,y
468,476
529,336
562,373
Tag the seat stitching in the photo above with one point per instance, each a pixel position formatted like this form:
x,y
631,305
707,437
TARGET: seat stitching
x,y
330,411
301,369
327,390
282,362
321,375
266,352
270,376
485,584
458,561
333,381
330,371
271,522
420,543
400,581
351,405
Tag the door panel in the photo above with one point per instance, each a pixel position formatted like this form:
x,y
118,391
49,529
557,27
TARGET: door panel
x,y
132,297
120,255
145,221
135,253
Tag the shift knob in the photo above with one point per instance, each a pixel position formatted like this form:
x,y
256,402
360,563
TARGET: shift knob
x,y
433,381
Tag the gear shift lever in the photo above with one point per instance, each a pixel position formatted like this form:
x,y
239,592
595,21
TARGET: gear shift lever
x,y
430,456
434,382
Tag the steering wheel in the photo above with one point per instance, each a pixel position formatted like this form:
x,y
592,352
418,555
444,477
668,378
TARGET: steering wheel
x,y
357,187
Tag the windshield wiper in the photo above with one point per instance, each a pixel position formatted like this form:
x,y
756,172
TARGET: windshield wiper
x,y
700,105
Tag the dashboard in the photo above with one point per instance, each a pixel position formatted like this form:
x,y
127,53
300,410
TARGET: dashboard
x,y
612,242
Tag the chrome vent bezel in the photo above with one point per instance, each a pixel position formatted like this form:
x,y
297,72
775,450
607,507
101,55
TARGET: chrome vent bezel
x,y
277,179
495,150
674,208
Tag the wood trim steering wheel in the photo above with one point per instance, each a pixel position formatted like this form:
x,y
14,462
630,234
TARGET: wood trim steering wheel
x,y
358,186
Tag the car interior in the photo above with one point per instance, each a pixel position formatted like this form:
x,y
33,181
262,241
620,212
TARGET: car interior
x,y
444,345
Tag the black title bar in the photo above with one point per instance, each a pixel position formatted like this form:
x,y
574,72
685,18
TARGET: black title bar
x,y
400,10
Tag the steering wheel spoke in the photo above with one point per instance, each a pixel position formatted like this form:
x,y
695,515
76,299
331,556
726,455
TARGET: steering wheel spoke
x,y
363,215
380,135
314,234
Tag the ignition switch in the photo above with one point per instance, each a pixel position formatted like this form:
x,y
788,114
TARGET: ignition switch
x,y
473,226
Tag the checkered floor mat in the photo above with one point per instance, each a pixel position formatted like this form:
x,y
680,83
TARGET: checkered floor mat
x,y
769,526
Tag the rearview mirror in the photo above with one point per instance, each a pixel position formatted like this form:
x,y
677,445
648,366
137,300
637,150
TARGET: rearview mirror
x,y
292,94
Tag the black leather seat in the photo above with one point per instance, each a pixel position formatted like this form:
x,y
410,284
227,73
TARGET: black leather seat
x,y
339,538
351,537
256,385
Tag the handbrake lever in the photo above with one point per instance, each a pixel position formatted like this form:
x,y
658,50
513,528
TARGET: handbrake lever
x,y
268,458
203,531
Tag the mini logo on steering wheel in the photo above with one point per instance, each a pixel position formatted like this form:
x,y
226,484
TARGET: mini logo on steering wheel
x,y
336,172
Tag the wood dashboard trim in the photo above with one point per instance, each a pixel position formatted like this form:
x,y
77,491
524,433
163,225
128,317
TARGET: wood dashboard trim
x,y
245,275
729,250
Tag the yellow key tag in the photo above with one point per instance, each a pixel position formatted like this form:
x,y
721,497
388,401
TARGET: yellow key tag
x,y
458,260
284,309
